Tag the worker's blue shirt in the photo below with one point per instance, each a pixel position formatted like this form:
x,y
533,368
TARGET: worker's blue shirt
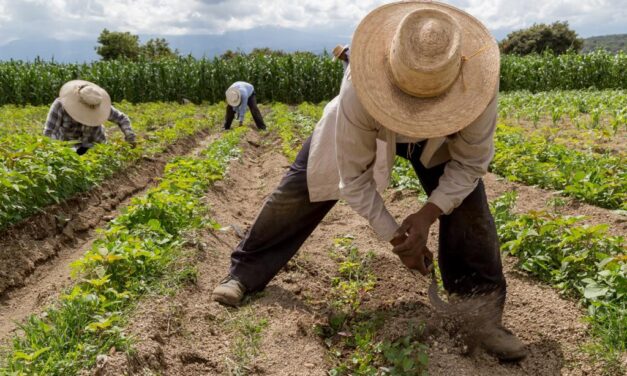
x,y
245,90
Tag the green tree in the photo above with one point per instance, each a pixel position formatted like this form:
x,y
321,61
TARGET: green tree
x,y
230,54
158,48
556,37
118,45
267,52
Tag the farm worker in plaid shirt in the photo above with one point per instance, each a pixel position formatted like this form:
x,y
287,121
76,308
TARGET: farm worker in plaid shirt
x,y
422,84
78,115
238,96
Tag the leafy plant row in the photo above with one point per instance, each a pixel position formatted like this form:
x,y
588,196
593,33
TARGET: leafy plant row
x,y
129,260
597,179
593,109
36,171
353,333
292,127
291,79
580,260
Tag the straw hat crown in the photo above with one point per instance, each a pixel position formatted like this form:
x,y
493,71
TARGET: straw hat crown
x,y
233,97
425,54
90,96
424,69
86,102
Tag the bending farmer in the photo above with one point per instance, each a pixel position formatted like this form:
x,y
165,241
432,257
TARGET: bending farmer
x,y
78,114
238,96
423,92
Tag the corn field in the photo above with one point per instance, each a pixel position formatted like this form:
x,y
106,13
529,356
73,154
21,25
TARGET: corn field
x,y
290,79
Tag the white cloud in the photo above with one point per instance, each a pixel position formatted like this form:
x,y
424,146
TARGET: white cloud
x,y
83,19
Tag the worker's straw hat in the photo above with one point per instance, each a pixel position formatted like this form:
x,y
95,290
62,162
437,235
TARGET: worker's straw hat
x,y
424,69
338,51
86,102
233,96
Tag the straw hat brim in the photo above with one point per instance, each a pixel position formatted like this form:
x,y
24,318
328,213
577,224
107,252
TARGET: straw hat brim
x,y
337,53
81,112
443,115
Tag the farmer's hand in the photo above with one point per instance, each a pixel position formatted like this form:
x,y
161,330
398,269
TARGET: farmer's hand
x,y
410,240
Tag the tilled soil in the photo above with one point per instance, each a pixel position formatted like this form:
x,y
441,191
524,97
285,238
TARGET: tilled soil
x,y
188,334
35,255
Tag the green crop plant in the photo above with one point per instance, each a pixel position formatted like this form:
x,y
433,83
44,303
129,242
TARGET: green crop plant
x,y
599,179
352,332
580,260
291,126
129,260
245,347
589,109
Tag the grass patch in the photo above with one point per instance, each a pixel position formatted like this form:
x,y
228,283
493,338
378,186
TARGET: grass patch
x,y
353,334
245,347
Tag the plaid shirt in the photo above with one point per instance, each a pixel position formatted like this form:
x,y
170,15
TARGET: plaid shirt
x,y
61,126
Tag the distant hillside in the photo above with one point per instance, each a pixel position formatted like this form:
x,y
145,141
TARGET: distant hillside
x,y
612,43
198,45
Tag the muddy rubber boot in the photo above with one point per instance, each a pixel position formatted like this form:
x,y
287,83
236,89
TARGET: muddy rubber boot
x,y
503,344
229,292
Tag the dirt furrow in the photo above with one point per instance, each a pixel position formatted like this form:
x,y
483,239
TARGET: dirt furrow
x,y
188,334
36,256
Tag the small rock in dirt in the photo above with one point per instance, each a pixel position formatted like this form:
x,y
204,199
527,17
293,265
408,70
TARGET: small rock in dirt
x,y
302,327
192,357
158,338
68,231
101,362
253,143
397,195
108,218
309,365
210,316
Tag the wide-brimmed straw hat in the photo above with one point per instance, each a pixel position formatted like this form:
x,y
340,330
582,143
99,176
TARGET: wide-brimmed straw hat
x,y
338,51
424,69
86,102
233,97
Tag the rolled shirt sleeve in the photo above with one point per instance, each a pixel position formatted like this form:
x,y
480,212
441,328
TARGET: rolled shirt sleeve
x,y
123,121
356,139
471,150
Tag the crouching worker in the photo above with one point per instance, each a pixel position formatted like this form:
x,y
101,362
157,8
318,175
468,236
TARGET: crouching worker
x,y
239,96
78,115
422,84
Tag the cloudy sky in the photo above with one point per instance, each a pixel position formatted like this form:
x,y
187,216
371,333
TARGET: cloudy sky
x,y
83,19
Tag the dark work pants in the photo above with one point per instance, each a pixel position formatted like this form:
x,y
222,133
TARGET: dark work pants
x,y
254,110
469,257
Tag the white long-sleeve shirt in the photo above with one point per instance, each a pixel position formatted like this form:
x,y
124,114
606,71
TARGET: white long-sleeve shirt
x,y
352,156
